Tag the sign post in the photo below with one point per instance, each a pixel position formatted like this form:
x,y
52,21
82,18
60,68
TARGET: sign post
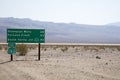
x,y
39,51
25,36
11,57
11,49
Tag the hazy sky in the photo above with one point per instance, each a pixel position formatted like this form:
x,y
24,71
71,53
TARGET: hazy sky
x,y
78,11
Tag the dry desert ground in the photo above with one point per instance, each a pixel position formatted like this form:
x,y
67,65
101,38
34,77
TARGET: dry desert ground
x,y
63,62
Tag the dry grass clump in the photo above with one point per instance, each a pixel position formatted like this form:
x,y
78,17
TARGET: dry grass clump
x,y
92,48
76,49
73,46
32,47
0,47
98,57
5,48
98,48
63,49
102,47
45,49
22,49
118,48
54,48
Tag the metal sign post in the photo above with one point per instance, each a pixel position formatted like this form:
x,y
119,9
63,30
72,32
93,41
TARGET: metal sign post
x,y
11,57
39,51
11,50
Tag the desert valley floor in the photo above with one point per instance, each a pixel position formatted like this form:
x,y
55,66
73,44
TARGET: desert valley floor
x,y
62,63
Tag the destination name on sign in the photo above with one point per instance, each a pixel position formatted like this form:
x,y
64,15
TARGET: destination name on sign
x,y
22,39
25,31
13,31
25,35
13,34
11,39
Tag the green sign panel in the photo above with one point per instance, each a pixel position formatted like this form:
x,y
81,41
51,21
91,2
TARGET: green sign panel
x,y
11,50
25,35
11,44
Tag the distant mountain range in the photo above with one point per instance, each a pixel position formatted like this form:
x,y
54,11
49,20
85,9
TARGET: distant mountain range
x,y
114,24
65,32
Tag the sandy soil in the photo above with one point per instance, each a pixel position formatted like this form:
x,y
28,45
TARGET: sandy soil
x,y
76,63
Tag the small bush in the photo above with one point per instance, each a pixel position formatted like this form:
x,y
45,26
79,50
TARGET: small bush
x,y
73,46
64,49
98,57
22,49
102,47
32,48
45,49
118,48
54,48
0,47
5,48
76,50
95,49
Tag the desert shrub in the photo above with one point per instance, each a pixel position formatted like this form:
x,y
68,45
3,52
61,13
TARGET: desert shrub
x,y
76,50
98,57
64,49
0,47
54,48
5,48
32,48
73,46
118,48
45,49
95,49
22,49
102,47
86,48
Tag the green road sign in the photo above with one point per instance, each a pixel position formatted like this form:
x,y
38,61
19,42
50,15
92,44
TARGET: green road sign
x,y
25,35
11,44
11,50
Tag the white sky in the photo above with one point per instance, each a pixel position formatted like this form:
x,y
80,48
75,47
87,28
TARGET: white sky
x,y
97,12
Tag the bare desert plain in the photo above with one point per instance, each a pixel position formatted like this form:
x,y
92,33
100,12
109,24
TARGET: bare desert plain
x,y
62,62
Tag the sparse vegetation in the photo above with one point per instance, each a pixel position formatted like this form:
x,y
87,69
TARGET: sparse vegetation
x,y
98,57
64,49
118,48
45,49
32,48
22,49
73,46
106,63
54,48
94,48
76,50
102,47
0,47
5,48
